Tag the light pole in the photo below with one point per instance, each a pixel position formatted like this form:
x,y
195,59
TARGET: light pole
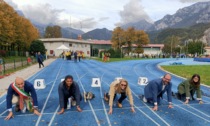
x,y
201,48
179,51
171,45
186,44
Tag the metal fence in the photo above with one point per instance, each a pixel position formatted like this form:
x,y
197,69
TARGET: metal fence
x,y
13,64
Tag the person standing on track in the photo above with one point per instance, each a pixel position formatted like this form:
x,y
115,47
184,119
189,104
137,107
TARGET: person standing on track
x,y
155,89
119,87
69,93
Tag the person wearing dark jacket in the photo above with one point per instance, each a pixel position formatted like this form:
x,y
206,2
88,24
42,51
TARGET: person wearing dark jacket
x,y
69,89
23,94
40,59
188,88
155,89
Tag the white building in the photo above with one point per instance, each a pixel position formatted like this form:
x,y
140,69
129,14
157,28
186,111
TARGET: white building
x,y
51,44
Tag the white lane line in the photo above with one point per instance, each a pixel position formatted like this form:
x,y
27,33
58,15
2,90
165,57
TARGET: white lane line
x,y
180,101
192,113
141,110
96,118
147,105
107,117
152,110
3,101
33,76
3,112
52,119
144,113
105,111
195,109
37,123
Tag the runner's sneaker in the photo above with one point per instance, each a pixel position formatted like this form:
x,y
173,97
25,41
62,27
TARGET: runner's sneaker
x,y
69,103
105,97
73,103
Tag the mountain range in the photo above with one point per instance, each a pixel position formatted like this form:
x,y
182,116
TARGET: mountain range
x,y
183,18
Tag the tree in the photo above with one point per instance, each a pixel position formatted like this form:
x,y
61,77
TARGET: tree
x,y
53,32
141,38
15,29
37,46
195,47
129,37
117,38
170,43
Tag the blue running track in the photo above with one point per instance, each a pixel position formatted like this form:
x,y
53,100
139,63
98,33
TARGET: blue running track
x,y
95,111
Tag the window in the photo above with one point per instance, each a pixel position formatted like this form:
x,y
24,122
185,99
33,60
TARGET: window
x,y
70,45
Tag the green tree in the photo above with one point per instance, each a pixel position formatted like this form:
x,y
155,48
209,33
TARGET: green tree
x,y
195,47
170,44
37,46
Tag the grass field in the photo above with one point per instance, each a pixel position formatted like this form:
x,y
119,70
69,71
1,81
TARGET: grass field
x,y
183,71
188,71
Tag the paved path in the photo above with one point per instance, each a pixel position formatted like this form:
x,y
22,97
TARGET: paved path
x,y
24,73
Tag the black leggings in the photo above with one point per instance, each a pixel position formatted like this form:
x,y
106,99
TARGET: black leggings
x,y
66,100
122,97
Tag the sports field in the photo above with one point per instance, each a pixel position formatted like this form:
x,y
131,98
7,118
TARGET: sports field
x,y
95,112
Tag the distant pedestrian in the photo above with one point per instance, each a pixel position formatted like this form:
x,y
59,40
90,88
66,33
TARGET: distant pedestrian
x,y
75,56
40,59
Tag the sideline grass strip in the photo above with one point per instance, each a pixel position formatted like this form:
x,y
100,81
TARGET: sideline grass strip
x,y
188,71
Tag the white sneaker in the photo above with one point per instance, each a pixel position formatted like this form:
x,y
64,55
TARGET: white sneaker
x,y
73,103
144,99
69,103
24,109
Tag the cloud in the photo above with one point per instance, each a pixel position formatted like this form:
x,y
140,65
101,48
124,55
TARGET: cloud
x,y
46,14
42,13
133,12
190,1
103,19
11,3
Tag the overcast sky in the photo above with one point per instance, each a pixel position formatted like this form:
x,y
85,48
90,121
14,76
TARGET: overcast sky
x,y
87,15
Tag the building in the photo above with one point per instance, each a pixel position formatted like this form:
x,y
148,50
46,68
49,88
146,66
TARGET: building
x,y
89,47
51,44
207,49
149,49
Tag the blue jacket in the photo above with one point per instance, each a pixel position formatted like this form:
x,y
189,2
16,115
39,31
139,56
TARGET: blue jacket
x,y
40,58
154,88
28,87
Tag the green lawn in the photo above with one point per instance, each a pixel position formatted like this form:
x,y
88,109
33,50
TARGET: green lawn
x,y
188,71
181,70
117,59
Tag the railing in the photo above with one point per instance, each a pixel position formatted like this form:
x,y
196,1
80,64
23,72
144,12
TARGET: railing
x,y
13,64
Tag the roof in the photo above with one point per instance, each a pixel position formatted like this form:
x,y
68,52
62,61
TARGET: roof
x,y
207,47
102,42
149,45
65,40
